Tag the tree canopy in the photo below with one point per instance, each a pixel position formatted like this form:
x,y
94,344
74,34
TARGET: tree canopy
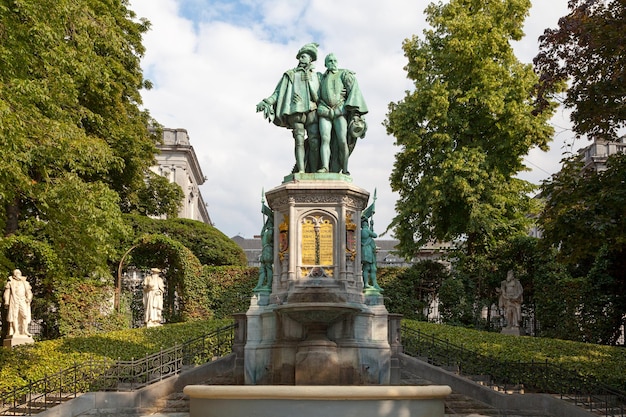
x,y
207,243
587,50
464,130
585,218
74,144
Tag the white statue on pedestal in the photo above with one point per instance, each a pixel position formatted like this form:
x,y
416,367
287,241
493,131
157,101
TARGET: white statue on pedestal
x,y
510,293
17,297
153,290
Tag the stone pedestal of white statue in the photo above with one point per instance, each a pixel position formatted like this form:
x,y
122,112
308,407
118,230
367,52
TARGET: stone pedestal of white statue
x,y
17,340
315,326
512,331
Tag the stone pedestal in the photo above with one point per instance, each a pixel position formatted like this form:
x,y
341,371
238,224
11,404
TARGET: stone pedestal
x,y
317,360
317,327
17,340
513,331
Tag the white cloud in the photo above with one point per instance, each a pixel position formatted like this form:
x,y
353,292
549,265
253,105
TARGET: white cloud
x,y
210,72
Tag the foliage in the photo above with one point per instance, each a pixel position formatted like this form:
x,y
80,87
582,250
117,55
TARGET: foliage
x,y
584,219
85,308
82,223
210,246
585,210
455,302
471,289
606,363
74,143
412,290
158,197
464,131
229,288
31,362
183,276
587,52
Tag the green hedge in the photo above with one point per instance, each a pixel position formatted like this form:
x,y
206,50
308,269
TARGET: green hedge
x,y
81,307
409,291
229,288
26,363
208,244
605,363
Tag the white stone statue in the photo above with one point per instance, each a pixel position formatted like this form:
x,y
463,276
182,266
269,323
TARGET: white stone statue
x,y
153,290
510,301
17,297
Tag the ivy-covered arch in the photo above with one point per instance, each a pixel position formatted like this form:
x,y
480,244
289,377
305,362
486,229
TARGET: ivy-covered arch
x,y
183,273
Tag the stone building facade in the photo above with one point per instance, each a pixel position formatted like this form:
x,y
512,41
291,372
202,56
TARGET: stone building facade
x,y
595,155
177,162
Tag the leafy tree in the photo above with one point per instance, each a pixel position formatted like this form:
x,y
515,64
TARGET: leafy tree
x,y
479,276
455,306
465,128
412,291
584,212
585,219
587,50
158,197
74,144
208,244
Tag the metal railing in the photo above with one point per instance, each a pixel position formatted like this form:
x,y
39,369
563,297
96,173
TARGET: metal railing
x,y
513,376
110,375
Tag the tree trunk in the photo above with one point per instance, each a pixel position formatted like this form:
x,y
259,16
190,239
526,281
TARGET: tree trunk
x,y
13,214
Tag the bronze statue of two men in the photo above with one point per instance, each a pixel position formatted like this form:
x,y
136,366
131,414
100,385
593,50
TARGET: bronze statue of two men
x,y
323,110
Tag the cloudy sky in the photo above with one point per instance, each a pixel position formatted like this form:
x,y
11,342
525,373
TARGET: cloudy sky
x,y
212,61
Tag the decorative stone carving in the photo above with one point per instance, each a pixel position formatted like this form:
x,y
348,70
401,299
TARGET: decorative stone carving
x,y
153,290
17,297
510,300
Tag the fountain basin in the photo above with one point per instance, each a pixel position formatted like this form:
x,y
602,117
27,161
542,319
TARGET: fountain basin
x,y
317,313
309,401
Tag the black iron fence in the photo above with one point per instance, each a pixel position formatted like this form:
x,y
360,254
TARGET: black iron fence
x,y
512,376
110,375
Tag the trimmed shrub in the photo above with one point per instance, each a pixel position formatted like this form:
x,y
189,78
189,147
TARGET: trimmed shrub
x,y
208,244
230,288
86,307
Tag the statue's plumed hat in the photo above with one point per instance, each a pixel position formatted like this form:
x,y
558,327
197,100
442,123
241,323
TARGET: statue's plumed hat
x,y
309,48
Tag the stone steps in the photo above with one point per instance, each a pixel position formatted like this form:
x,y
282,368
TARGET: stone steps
x,y
456,404
177,404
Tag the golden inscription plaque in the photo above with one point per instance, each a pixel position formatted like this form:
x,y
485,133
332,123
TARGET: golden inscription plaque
x,y
317,241
326,243
308,242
